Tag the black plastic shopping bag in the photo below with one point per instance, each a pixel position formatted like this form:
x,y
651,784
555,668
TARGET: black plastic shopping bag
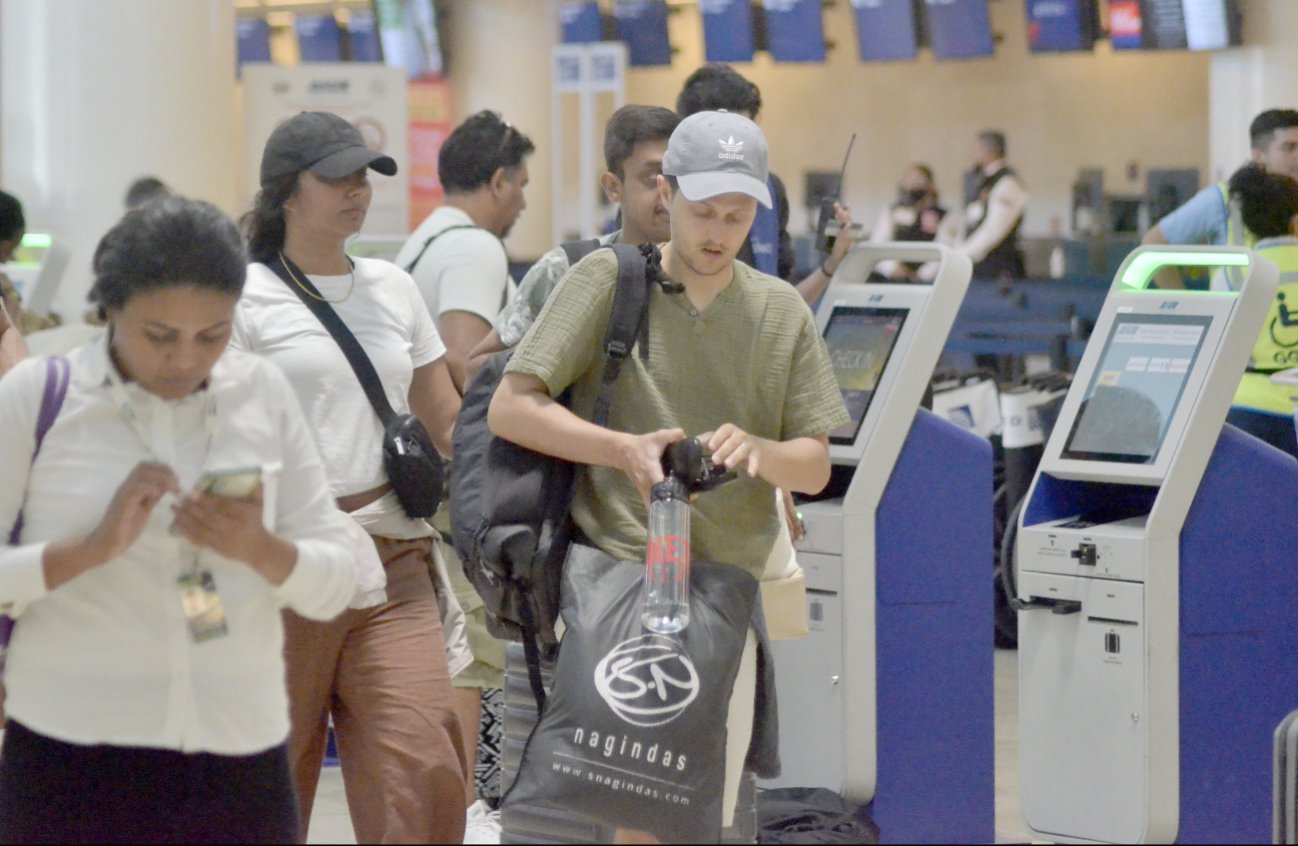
x,y
634,731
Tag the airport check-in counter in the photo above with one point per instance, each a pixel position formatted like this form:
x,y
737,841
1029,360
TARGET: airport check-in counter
x,y
1157,579
889,699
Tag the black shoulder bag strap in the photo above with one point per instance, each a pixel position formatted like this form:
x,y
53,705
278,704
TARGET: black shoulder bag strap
x,y
410,268
298,282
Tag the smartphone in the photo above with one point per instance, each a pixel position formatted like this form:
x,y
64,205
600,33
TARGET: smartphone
x,y
236,483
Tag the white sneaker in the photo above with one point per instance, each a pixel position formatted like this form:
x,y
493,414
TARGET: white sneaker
x,y
482,825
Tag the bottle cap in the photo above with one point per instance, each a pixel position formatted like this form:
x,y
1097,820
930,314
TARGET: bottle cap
x,y
669,488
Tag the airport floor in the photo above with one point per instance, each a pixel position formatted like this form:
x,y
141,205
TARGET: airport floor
x,y
330,822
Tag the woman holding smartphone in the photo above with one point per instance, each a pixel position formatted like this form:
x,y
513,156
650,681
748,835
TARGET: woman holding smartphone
x,y
146,700
382,668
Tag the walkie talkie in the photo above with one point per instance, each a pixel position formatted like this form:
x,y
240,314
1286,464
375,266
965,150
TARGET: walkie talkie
x,y
824,240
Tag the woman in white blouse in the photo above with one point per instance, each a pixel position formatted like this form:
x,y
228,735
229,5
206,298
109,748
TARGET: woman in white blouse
x,y
145,677
381,669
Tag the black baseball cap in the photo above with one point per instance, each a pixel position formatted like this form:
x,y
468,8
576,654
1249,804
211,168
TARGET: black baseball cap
x,y
323,143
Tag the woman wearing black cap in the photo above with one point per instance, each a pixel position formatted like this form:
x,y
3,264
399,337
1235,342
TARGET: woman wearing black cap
x,y
381,669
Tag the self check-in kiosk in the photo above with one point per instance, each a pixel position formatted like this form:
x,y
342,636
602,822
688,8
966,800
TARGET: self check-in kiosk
x,y
889,699
1158,576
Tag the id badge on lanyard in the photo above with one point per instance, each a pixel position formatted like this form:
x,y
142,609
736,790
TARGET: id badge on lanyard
x,y
199,599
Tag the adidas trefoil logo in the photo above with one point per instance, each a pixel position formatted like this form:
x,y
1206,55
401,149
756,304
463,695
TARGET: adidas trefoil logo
x,y
732,149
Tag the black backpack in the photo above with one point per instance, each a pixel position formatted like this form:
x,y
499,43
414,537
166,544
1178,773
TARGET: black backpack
x,y
509,505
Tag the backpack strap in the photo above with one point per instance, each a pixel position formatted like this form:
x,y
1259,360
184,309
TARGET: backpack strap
x,y
637,269
578,250
58,373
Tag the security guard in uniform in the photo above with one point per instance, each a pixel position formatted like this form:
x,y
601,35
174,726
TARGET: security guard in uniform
x,y
995,216
1268,205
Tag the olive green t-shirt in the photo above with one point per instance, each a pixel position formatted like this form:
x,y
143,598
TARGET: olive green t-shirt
x,y
752,358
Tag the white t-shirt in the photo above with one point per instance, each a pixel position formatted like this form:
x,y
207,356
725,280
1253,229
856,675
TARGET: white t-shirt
x,y
388,318
463,270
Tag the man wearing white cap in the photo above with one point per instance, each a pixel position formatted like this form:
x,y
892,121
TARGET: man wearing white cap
x,y
733,357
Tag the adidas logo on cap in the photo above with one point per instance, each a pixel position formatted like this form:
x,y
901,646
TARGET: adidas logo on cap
x,y
732,149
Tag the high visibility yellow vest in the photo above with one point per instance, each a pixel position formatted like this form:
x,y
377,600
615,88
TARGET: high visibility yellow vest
x,y
1277,347
1237,235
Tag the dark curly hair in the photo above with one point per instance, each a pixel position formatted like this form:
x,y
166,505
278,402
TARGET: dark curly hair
x,y
631,125
1268,202
717,86
480,146
11,217
165,243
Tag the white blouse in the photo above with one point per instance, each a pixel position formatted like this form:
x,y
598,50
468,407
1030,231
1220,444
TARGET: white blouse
x,y
107,658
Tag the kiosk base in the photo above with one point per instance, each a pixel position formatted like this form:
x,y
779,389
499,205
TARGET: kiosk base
x,y
934,659
1239,638
1086,769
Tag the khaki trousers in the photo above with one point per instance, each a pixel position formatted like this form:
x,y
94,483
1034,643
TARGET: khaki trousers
x,y
381,672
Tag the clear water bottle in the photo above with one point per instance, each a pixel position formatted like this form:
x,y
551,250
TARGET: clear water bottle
x,y
667,563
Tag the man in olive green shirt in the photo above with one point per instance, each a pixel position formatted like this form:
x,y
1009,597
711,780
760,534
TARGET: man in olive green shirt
x,y
734,358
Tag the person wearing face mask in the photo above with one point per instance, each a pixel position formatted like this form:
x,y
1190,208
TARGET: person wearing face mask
x,y
146,699
917,215
382,669
456,255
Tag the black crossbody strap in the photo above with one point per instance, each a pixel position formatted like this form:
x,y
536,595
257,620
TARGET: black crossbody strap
x,y
410,268
630,309
298,282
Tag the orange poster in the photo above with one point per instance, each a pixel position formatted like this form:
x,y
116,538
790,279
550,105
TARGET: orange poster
x,y
430,124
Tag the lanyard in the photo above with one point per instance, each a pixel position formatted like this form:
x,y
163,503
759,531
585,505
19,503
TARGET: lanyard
x,y
127,410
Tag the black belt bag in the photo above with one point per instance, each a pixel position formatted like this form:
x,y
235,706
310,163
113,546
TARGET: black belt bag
x,y
416,471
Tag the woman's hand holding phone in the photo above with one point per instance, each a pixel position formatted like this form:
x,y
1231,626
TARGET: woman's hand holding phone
x,y
233,528
128,512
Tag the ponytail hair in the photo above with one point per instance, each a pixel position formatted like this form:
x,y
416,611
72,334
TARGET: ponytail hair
x,y
264,226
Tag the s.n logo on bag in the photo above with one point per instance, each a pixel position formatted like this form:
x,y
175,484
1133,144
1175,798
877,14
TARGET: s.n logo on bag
x,y
647,681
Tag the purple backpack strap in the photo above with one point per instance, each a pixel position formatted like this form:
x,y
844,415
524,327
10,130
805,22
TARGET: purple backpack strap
x,y
57,374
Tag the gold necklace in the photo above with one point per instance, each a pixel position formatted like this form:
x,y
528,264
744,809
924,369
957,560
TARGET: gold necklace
x,y
312,294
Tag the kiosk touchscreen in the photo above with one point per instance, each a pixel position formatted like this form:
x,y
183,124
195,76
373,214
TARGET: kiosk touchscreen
x,y
1156,577
891,692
